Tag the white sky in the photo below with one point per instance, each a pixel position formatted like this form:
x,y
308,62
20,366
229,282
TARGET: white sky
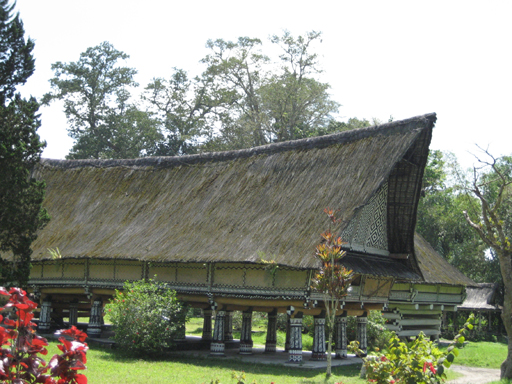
x,y
381,58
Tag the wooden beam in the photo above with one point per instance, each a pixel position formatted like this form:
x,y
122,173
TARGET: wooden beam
x,y
418,322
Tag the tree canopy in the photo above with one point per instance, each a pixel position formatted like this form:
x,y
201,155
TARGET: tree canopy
x,y
96,94
21,196
243,98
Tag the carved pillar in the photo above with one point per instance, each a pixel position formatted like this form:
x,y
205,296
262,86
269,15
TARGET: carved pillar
x,y
246,334
217,345
287,342
295,352
96,318
340,336
362,322
318,352
271,342
45,316
207,325
73,314
228,326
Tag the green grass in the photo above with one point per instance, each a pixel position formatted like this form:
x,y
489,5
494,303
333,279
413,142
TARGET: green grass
x,y
106,366
483,354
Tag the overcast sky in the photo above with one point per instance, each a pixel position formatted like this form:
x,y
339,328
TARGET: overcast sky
x,y
381,58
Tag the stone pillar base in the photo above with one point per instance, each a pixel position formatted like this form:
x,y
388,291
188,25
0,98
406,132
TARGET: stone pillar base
x,y
295,356
217,349
245,348
318,356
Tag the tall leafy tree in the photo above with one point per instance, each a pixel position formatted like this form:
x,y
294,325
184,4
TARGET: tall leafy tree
x,y
258,100
297,103
441,220
183,109
492,221
21,196
96,94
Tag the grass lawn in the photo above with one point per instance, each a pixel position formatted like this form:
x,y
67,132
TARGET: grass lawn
x,y
482,354
107,366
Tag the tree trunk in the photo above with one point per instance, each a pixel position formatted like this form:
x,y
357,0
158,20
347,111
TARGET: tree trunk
x,y
329,348
506,314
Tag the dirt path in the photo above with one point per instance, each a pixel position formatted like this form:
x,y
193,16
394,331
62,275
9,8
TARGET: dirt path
x,y
474,375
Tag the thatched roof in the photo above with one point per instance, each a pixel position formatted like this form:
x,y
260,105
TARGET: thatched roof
x,y
236,206
482,297
434,268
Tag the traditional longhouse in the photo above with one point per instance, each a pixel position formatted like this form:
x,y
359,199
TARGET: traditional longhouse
x,y
206,224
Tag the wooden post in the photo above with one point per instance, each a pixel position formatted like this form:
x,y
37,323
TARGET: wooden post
x,y
73,314
217,345
271,342
207,325
45,316
287,341
246,334
318,353
96,318
228,326
362,322
295,352
340,336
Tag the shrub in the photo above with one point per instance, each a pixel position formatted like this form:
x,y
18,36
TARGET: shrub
x,y
376,332
20,347
147,317
417,361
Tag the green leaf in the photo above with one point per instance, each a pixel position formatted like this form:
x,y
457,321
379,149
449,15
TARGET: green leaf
x,y
455,352
461,339
447,364
440,370
450,357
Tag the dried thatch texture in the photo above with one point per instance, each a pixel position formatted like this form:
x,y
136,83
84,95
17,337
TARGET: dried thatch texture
x,y
481,297
233,206
435,269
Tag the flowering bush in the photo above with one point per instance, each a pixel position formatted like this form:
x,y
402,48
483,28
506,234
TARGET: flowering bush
x,y
418,361
146,316
20,347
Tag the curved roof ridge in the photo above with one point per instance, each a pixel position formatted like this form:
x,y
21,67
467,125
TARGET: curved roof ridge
x,y
307,143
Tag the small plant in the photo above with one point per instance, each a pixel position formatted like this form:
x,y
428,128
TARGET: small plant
x,y
418,361
21,347
332,279
147,317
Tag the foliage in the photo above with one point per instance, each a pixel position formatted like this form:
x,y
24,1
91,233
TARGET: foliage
x,y
182,108
441,220
417,361
257,101
377,334
21,196
146,316
103,122
332,279
492,186
20,347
